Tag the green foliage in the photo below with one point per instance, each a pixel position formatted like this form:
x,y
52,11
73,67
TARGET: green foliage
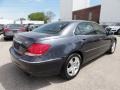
x,y
41,16
38,16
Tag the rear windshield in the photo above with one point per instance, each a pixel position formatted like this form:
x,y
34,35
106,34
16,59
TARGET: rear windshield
x,y
53,28
14,26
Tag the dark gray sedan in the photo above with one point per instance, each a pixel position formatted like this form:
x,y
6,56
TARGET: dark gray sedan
x,y
60,48
11,29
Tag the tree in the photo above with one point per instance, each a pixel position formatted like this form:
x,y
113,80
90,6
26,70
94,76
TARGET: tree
x,y
49,16
38,16
41,16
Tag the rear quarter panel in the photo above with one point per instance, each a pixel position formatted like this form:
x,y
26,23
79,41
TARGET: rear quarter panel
x,y
61,47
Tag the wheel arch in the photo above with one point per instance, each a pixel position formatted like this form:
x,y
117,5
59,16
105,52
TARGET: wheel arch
x,y
118,30
80,53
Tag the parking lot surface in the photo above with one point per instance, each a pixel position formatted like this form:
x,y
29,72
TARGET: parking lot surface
x,y
101,74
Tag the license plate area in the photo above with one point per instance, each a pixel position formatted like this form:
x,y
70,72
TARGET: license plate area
x,y
14,31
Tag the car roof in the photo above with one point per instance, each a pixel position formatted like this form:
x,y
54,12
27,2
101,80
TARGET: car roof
x,y
76,21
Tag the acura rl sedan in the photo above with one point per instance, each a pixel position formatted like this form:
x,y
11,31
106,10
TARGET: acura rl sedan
x,y
60,48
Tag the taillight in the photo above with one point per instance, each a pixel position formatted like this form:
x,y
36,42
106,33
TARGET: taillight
x,y
22,29
37,49
6,30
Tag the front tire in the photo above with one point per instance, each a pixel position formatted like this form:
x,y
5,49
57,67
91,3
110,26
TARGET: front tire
x,y
72,66
112,48
118,32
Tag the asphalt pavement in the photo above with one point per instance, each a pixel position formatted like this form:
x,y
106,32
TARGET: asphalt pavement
x,y
100,74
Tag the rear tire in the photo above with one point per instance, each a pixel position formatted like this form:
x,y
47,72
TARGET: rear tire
x,y
5,38
72,66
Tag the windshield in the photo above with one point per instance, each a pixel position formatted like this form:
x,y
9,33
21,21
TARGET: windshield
x,y
53,28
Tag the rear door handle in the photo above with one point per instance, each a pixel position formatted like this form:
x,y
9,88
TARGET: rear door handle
x,y
84,39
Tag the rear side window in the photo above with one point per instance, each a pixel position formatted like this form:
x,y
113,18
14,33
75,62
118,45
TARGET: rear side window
x,y
53,28
84,28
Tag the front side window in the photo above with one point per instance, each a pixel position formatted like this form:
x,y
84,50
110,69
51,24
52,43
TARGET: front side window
x,y
53,28
98,29
84,28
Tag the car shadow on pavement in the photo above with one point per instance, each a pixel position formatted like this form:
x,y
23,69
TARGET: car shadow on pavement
x,y
11,78
7,40
94,60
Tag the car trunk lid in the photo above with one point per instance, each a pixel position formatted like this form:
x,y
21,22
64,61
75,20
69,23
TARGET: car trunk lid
x,y
23,40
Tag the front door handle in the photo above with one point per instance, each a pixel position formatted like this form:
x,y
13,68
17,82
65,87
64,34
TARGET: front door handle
x,y
84,39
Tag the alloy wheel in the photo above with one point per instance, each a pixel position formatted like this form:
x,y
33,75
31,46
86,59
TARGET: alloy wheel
x,y
113,47
73,66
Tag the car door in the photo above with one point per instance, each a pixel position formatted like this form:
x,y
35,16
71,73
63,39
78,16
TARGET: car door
x,y
90,40
103,38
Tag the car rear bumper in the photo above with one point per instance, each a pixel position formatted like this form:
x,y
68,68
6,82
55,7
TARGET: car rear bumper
x,y
42,68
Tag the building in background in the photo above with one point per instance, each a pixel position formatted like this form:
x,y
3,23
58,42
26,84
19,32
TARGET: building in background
x,y
80,4
107,13
90,13
29,22
110,13
8,21
67,6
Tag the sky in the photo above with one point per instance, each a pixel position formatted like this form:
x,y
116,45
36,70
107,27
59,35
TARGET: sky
x,y
14,9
